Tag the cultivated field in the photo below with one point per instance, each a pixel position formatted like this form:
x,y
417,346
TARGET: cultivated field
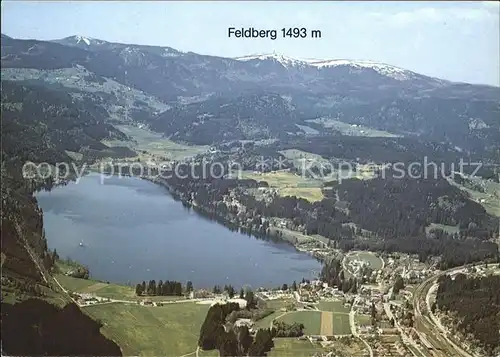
x,y
353,130
289,184
326,323
282,179
311,194
170,330
334,318
341,324
306,160
335,306
293,347
310,319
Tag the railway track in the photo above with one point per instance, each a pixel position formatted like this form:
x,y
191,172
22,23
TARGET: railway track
x,y
437,342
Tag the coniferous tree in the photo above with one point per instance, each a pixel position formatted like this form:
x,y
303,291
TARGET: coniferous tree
x,y
262,344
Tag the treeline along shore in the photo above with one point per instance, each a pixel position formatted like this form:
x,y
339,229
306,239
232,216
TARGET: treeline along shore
x,y
212,193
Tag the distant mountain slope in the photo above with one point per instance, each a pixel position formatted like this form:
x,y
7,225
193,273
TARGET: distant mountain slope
x,y
92,44
376,95
188,74
38,124
121,102
255,116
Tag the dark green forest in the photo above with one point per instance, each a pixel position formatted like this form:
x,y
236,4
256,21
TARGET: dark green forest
x,y
38,125
475,303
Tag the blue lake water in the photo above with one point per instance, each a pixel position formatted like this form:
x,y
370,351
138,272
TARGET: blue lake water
x,y
133,230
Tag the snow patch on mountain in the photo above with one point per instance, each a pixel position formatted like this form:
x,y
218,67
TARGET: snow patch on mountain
x,y
288,62
382,68
170,52
79,39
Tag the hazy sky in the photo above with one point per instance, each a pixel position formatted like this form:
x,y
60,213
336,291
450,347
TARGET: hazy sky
x,y
452,40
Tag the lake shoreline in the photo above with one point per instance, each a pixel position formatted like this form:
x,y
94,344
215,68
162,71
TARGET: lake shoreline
x,y
222,220
110,217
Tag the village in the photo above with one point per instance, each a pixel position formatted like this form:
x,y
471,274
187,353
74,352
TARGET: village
x,y
381,314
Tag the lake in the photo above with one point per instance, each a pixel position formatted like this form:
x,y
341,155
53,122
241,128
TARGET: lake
x,y
133,230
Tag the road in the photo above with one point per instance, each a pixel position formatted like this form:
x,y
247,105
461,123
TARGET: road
x,y
104,300
406,339
354,331
28,248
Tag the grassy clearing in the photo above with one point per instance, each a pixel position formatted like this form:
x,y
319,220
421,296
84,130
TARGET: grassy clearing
x,y
348,129
310,319
74,284
155,143
312,194
266,321
448,229
299,157
276,305
292,347
289,184
152,331
363,320
112,291
282,179
490,199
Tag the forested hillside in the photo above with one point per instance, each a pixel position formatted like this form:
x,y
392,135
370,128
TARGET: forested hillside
x,y
475,303
254,116
50,121
395,214
39,125
376,95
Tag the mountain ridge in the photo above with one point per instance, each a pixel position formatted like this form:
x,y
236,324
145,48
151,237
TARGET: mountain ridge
x,y
75,40
367,93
